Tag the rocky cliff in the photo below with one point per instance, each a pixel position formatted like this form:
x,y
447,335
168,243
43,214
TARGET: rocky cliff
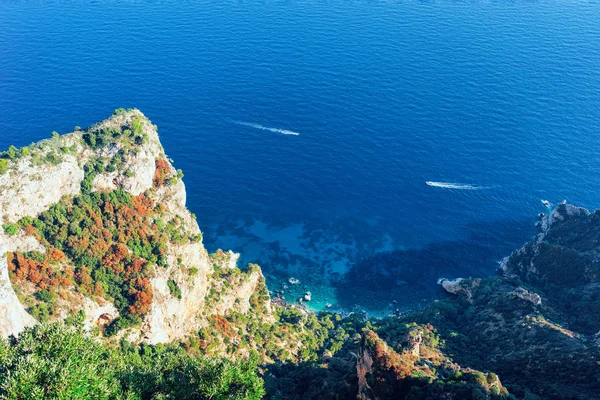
x,y
537,324
121,157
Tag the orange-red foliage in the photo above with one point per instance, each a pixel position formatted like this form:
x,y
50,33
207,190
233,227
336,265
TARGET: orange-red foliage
x,y
222,325
108,237
31,231
162,171
56,255
142,204
142,295
43,275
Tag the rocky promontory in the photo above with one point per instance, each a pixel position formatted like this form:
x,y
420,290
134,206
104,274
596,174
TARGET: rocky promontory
x,y
121,155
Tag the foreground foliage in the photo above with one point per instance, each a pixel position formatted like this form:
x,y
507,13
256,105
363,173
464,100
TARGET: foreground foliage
x,y
54,361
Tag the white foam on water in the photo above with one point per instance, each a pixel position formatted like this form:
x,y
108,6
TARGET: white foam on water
x,y
266,128
451,185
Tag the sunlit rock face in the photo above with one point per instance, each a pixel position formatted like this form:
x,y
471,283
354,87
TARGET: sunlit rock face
x,y
55,169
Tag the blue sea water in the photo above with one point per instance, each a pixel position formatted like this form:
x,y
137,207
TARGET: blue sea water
x,y
497,103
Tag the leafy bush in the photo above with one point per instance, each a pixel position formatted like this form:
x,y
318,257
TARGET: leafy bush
x,y
54,361
174,289
12,152
111,240
3,166
136,126
10,229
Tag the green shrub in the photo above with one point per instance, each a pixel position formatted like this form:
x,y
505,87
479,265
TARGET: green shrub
x,y
54,361
42,311
45,296
3,166
122,322
137,126
11,229
12,152
174,289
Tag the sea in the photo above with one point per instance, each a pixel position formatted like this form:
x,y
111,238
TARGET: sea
x,y
402,141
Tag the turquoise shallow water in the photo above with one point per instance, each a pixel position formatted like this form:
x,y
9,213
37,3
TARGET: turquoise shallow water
x,y
496,104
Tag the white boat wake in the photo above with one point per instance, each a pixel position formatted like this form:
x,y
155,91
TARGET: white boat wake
x,y
450,185
266,128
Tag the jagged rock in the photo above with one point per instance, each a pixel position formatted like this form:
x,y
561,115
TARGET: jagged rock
x,y
29,189
460,286
412,342
526,295
13,317
559,213
97,315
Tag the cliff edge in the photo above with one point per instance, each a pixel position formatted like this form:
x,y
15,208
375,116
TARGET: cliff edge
x,y
95,224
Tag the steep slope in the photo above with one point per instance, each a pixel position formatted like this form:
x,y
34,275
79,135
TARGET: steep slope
x,y
505,326
535,328
394,360
537,325
93,209
564,263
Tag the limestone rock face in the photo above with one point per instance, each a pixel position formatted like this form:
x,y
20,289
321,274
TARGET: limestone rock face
x,y
460,286
13,317
31,187
528,296
28,190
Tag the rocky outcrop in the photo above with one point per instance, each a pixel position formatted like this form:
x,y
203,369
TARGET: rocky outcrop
x,y
563,261
527,296
27,189
559,214
55,168
460,286
385,373
13,317
364,364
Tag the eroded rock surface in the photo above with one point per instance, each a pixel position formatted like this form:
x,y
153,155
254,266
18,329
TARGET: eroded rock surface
x,y
56,168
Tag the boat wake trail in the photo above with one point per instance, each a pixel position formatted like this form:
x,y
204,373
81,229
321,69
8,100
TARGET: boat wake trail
x,y
266,128
450,185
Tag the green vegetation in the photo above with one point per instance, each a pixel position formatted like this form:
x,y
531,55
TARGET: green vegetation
x,y
3,166
110,241
10,229
174,289
107,243
408,364
43,152
12,152
60,362
98,137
